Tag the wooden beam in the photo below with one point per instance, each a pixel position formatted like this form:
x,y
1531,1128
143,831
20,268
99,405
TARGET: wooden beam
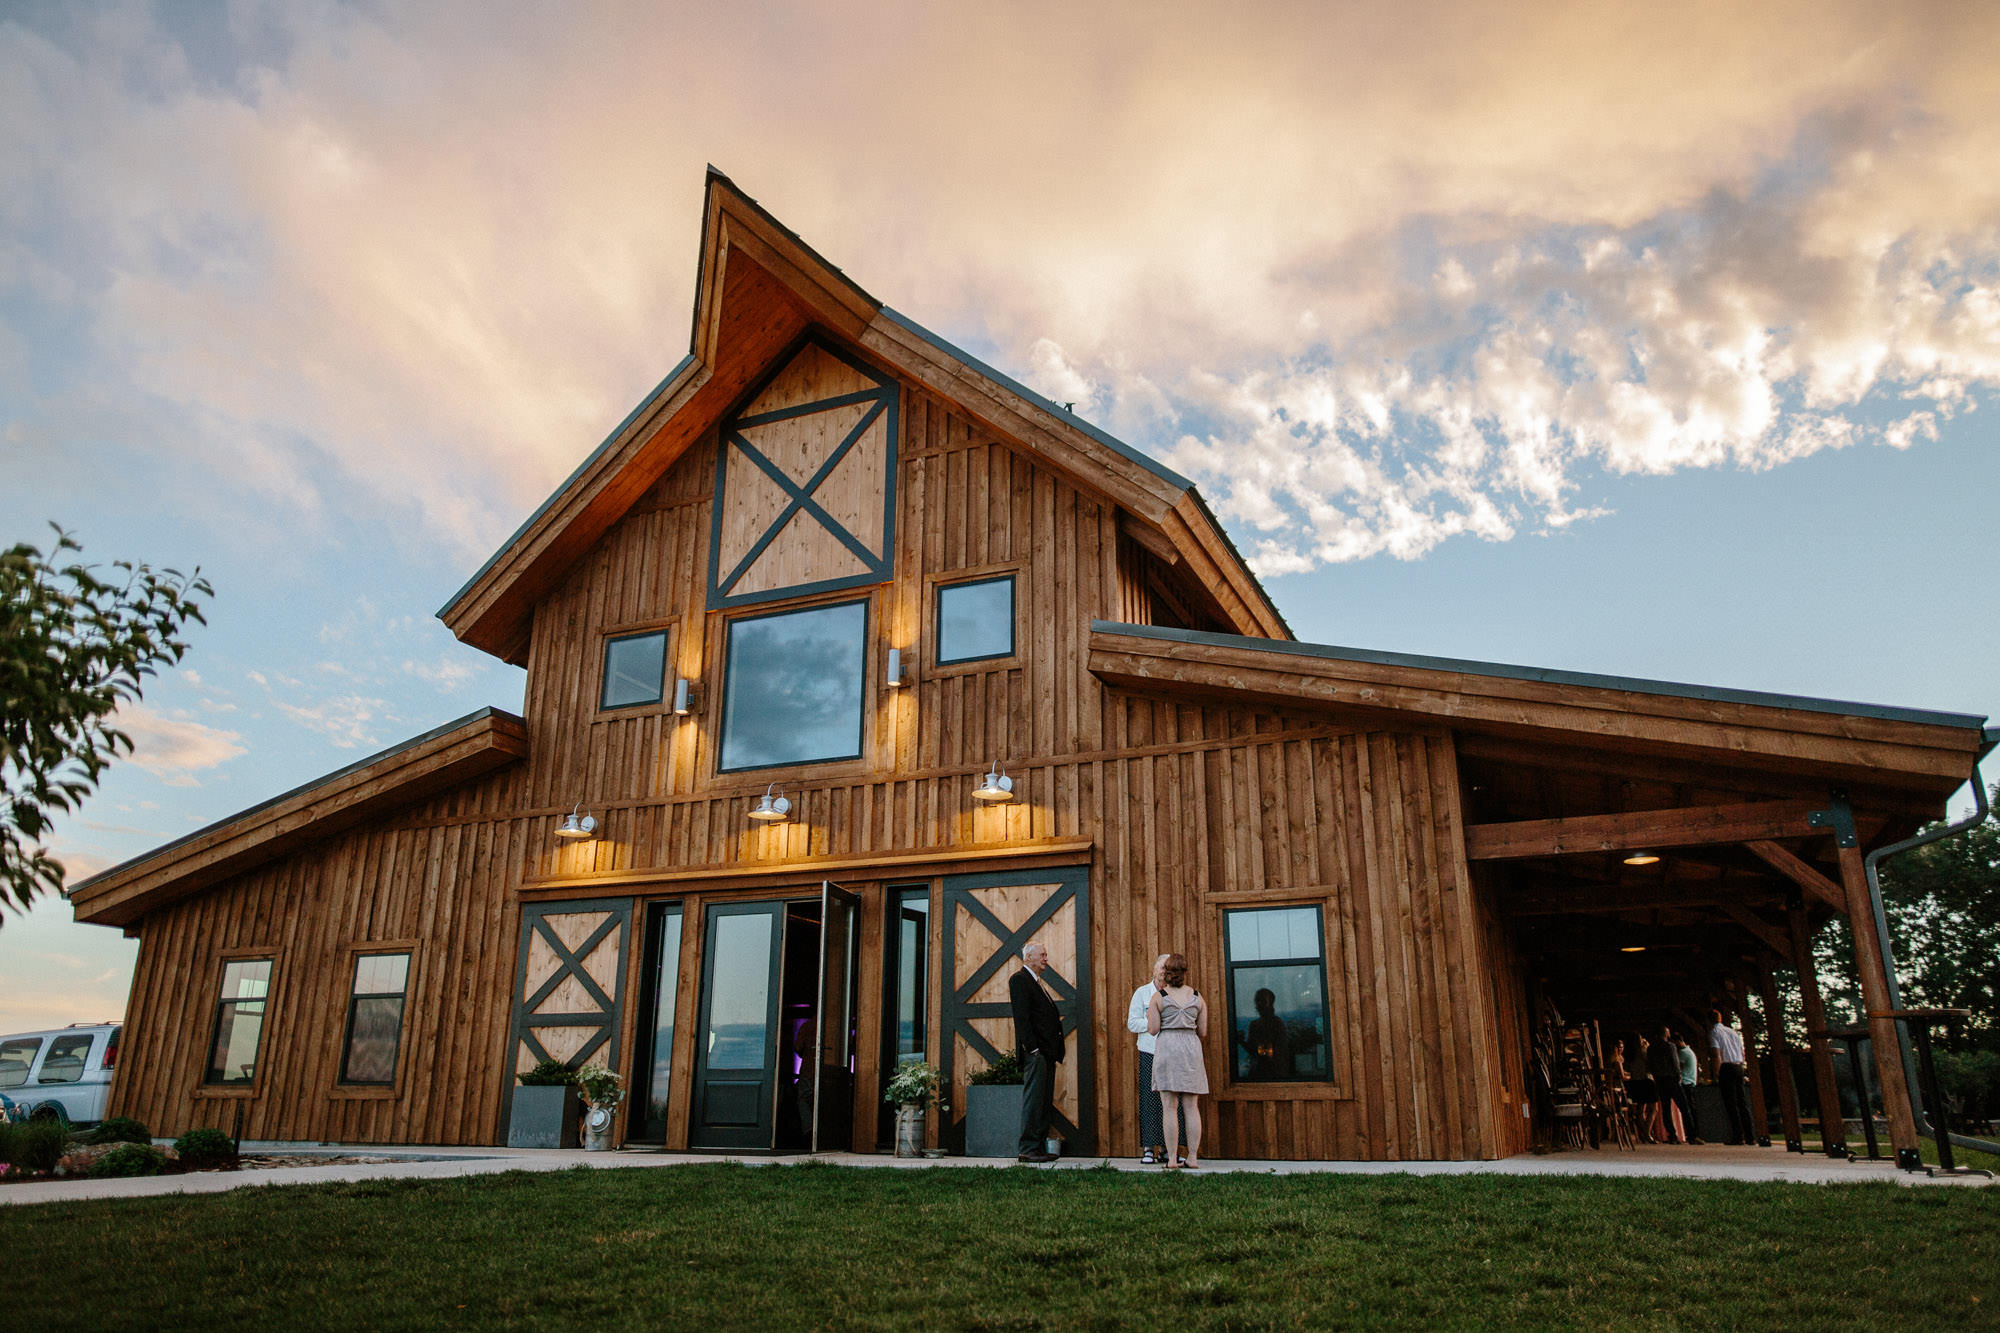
x,y
1025,854
1832,1126
1896,1105
1781,1059
1773,938
1796,869
1642,829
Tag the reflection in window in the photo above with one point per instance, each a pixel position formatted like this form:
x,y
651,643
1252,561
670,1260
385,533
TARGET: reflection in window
x,y
739,999
1277,995
975,620
64,1062
659,1045
792,689
913,955
375,1018
635,670
15,1057
239,1021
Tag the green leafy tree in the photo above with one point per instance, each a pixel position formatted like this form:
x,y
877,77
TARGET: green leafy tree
x,y
74,645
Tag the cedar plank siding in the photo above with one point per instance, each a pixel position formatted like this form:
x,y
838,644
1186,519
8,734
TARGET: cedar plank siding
x,y
1193,807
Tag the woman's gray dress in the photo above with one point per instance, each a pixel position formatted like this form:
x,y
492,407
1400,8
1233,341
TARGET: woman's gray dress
x,y
1177,1062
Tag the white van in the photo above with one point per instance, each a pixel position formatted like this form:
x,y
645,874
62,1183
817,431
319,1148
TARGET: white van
x,y
60,1075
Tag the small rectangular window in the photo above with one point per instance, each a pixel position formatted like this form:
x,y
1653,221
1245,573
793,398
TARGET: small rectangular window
x,y
975,621
375,1018
1278,1025
64,1062
239,1021
16,1057
792,687
635,670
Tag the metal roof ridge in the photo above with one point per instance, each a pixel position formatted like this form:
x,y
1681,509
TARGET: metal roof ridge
x,y
1550,675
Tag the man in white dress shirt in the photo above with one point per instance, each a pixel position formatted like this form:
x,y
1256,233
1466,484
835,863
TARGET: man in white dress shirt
x,y
1727,1044
1152,1131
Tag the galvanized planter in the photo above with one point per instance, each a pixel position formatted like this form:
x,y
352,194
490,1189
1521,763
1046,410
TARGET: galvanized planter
x,y
992,1119
543,1117
910,1130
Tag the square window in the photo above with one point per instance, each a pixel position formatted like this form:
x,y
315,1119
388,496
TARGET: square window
x,y
975,620
239,1021
792,687
1278,1023
635,670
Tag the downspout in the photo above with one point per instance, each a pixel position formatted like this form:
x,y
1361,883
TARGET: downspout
x,y
1870,864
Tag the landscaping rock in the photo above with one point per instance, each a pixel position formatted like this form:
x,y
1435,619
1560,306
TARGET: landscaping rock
x,y
78,1161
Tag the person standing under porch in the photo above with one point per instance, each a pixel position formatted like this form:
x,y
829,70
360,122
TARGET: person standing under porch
x,y
1727,1044
1178,1018
1038,1040
1690,1075
1664,1064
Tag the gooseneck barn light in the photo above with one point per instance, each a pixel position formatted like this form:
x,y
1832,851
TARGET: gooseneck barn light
x,y
771,807
996,788
576,826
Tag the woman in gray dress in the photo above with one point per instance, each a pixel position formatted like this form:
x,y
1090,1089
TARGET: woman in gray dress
x,y
1178,1019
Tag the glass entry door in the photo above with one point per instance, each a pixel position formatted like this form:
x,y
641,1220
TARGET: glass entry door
x,y
736,1047
833,1056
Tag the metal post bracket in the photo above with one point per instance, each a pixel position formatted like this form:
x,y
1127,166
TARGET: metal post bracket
x,y
1840,818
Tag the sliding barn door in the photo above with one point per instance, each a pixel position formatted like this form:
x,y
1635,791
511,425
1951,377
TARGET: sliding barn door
x,y
988,920
568,987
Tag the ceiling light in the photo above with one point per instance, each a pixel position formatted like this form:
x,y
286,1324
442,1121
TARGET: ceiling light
x,y
576,826
771,807
1642,859
1631,948
996,788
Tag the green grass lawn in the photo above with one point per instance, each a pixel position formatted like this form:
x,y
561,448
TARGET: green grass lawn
x,y
727,1247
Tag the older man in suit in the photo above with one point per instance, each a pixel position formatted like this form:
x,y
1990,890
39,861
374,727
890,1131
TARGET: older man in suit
x,y
1038,1040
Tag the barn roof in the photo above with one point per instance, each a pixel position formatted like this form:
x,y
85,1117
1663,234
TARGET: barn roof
x,y
758,288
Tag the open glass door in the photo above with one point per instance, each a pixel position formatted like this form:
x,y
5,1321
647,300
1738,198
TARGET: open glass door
x,y
833,1056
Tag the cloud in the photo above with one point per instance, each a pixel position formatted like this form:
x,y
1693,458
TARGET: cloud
x,y
1377,275
347,721
448,675
174,749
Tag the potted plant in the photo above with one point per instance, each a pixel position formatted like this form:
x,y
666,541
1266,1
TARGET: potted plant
x,y
602,1090
912,1091
544,1114
993,1108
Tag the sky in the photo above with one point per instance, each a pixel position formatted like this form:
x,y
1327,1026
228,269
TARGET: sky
x,y
1654,340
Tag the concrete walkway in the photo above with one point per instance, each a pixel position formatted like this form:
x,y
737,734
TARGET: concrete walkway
x,y
1698,1163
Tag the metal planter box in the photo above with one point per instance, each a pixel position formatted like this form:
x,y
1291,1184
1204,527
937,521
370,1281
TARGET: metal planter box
x,y
992,1119
544,1117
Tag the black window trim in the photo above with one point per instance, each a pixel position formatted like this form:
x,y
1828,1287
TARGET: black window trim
x,y
354,957
867,605
665,696
208,1079
938,591
1229,965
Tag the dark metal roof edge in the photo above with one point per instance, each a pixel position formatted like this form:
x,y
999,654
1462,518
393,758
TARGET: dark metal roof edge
x,y
659,390
412,743
1012,385
1550,676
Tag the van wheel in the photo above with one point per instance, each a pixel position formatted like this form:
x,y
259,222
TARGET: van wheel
x,y
48,1113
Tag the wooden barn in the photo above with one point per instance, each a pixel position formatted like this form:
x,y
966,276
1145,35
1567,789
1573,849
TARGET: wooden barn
x,y
853,665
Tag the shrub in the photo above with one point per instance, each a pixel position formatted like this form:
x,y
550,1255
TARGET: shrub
x,y
548,1074
201,1148
120,1129
36,1145
130,1159
1007,1069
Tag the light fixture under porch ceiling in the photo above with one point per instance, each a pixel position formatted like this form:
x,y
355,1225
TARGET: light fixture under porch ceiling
x,y
1641,858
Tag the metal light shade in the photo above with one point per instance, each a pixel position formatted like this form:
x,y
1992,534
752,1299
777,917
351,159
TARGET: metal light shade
x,y
1642,859
771,807
996,788
575,828
893,678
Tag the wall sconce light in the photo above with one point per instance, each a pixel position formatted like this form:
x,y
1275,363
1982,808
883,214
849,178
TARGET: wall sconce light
x,y
996,788
1642,859
893,678
771,807
576,826
687,696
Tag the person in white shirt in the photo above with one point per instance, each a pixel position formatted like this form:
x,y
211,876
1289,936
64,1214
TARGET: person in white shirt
x,y
1152,1130
1727,1044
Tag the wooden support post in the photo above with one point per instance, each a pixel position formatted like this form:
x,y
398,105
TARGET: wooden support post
x,y
1832,1125
1760,1112
1781,1056
1875,997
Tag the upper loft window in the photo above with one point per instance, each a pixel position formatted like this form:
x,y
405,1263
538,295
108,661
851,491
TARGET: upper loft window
x,y
635,670
792,687
975,621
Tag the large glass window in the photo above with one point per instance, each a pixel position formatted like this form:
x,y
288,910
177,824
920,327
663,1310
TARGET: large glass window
x,y
975,620
64,1062
635,670
913,960
15,1059
1277,995
239,1021
657,1044
375,1018
792,692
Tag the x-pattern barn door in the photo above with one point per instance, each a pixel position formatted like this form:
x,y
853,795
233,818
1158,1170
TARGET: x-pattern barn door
x,y
569,986
988,919
805,482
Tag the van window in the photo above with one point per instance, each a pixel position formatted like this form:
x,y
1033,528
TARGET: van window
x,y
15,1057
64,1062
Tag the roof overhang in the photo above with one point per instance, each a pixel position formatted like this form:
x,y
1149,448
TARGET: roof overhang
x,y
758,288
1924,754
422,766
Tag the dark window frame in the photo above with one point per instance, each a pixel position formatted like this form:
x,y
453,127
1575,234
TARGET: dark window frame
x,y
227,1004
1332,1076
626,633
1013,618
354,998
728,634
646,1037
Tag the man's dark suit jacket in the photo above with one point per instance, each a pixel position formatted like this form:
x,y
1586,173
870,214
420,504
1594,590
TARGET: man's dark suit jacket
x,y
1037,1024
